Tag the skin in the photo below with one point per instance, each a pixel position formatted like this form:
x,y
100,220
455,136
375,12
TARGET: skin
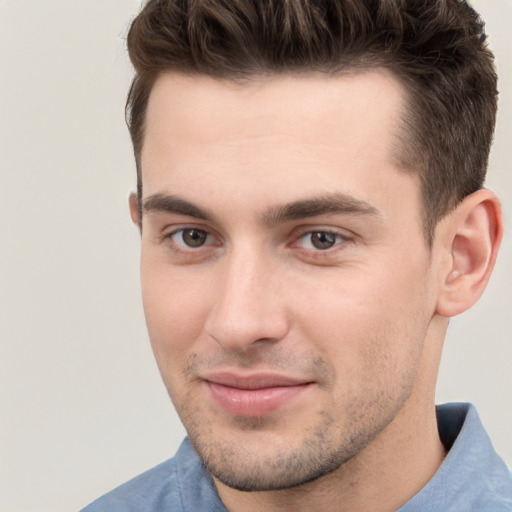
x,y
240,183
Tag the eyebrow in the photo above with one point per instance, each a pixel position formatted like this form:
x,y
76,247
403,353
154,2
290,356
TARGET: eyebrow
x,y
162,203
311,207
323,205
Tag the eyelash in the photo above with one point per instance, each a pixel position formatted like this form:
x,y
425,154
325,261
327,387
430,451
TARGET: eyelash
x,y
339,240
183,247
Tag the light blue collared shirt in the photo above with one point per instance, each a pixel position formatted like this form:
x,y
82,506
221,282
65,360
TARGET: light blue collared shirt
x,y
472,478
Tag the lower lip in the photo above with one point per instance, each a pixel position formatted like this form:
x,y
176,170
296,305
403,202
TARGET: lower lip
x,y
253,402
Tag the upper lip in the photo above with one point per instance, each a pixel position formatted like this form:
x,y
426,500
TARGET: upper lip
x,y
253,381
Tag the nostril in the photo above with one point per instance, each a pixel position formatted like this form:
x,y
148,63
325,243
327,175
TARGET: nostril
x,y
243,333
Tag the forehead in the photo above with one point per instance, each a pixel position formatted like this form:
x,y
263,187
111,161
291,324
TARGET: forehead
x,y
274,139
201,109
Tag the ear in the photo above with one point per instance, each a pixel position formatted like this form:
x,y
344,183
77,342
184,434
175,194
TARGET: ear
x,y
134,209
471,236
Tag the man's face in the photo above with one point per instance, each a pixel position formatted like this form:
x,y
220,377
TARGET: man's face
x,y
287,286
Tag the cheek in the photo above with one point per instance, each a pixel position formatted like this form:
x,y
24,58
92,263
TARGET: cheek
x,y
175,308
368,324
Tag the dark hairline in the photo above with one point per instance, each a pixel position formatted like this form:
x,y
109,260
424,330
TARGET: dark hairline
x,y
402,141
437,49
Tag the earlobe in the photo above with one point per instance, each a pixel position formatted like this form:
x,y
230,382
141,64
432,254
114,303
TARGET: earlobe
x,y
472,235
134,209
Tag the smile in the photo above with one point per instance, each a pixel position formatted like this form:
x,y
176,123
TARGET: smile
x,y
255,395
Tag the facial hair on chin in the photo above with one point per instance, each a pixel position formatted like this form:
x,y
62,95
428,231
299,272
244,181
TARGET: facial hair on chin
x,y
323,448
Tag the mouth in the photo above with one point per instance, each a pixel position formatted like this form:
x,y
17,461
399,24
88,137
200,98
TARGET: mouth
x,y
253,395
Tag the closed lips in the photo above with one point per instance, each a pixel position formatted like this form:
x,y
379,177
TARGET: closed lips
x,y
255,395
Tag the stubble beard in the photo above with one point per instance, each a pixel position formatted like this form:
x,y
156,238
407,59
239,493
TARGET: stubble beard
x,y
322,450
259,457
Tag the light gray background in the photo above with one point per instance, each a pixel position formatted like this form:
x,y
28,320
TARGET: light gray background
x,y
82,406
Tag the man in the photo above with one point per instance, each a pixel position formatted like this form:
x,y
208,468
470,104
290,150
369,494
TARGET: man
x,y
312,211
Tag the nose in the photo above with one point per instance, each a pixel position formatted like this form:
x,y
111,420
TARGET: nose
x,y
249,308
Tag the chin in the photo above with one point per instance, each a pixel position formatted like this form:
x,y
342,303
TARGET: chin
x,y
269,462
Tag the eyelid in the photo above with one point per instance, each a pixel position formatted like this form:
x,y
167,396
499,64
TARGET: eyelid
x,y
167,236
344,237
180,233
307,230
299,233
336,239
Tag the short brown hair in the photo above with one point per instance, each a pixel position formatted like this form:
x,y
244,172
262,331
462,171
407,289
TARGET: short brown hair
x,y
437,48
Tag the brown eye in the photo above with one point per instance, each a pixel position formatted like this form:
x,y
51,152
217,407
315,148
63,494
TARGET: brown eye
x,y
191,237
320,240
194,237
